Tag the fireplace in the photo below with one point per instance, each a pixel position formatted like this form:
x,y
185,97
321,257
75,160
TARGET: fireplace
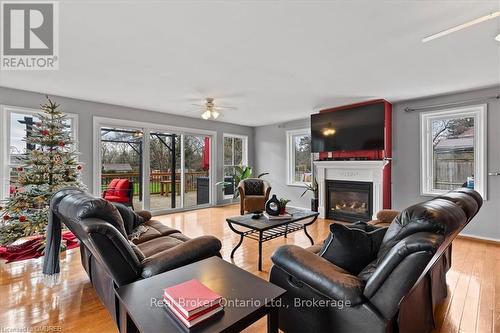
x,y
349,201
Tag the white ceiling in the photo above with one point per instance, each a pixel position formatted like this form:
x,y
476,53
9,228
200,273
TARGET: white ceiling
x,y
274,60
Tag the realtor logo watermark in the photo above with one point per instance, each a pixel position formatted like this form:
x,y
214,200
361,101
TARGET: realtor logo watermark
x,y
30,35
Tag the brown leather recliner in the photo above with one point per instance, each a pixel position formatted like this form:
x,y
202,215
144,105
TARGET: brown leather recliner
x,y
119,246
254,192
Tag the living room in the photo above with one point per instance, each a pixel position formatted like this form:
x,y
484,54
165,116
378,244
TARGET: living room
x,y
292,166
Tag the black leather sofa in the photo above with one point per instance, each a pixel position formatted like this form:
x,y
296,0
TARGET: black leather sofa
x,y
119,247
396,292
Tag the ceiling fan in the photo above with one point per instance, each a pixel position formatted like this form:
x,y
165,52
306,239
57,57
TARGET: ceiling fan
x,y
463,26
211,110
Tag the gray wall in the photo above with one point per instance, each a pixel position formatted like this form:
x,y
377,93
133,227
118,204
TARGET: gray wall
x,y
86,110
270,143
270,156
406,163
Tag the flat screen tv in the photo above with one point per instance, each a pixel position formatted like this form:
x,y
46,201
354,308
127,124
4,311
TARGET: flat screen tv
x,y
358,128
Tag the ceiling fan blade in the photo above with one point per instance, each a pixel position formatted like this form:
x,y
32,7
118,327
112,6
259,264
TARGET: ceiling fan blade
x,y
223,107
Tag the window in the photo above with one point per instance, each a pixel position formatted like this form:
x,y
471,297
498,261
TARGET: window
x,y
15,123
235,154
299,157
453,150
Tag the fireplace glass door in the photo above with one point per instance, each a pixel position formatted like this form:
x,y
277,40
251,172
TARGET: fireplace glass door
x,y
349,201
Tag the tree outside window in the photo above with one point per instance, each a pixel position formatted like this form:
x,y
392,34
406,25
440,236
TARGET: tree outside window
x,y
299,157
453,149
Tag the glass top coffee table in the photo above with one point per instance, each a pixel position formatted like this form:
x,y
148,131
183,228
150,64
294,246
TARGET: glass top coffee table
x,y
263,229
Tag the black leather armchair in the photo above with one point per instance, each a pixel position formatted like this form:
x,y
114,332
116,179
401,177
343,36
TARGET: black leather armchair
x,y
397,291
114,253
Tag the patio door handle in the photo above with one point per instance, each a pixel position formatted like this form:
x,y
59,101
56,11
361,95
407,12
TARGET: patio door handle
x,y
494,173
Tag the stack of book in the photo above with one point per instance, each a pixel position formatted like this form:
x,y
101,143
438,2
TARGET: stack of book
x,y
191,302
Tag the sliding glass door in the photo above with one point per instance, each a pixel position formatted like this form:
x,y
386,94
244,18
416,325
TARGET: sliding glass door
x,y
167,170
197,180
164,171
122,157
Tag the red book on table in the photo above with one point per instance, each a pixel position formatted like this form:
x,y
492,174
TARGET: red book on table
x,y
191,297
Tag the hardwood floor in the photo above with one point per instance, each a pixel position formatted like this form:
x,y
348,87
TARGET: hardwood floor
x,y
473,304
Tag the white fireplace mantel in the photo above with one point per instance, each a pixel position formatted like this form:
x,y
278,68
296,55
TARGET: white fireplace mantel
x,y
361,171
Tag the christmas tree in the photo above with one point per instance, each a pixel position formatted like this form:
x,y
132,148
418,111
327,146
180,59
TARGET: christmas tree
x,y
50,164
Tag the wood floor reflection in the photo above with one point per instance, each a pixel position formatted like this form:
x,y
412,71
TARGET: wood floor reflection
x,y
26,302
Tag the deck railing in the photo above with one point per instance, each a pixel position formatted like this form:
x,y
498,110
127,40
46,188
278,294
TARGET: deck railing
x,y
156,180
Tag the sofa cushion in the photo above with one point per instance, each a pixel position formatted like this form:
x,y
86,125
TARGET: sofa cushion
x,y
158,245
138,253
131,219
152,229
352,247
254,187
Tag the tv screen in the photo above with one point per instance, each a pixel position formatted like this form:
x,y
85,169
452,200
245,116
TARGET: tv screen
x,y
359,128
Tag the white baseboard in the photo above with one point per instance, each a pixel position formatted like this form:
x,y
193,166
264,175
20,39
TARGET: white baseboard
x,y
488,239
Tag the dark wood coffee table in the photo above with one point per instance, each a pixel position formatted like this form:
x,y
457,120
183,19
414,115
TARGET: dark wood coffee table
x,y
138,312
263,229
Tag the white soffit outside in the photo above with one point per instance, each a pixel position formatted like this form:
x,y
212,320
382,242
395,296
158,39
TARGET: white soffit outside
x,y
274,60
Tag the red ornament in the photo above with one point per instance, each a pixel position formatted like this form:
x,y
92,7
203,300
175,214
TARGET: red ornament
x,y
22,218
6,217
45,132
62,143
20,169
79,167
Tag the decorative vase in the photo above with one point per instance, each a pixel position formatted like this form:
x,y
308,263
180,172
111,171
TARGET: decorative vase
x,y
273,206
314,204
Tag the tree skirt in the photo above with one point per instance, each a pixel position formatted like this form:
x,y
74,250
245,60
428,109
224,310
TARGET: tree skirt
x,y
30,247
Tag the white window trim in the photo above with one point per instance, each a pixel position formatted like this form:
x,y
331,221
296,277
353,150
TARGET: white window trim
x,y
244,157
290,156
479,113
5,112
99,122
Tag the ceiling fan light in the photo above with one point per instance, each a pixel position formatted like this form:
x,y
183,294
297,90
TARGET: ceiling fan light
x,y
215,114
206,115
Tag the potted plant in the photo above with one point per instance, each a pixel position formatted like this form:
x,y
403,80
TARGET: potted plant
x,y
313,188
282,205
240,173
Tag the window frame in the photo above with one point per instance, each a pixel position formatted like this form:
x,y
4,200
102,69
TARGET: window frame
x,y
290,156
5,129
479,113
244,153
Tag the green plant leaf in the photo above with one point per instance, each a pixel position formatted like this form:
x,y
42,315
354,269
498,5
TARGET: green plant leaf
x,y
262,174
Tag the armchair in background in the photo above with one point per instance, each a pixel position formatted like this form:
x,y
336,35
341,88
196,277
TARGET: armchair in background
x,y
120,190
254,192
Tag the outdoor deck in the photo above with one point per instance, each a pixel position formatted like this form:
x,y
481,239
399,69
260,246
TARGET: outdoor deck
x,y
159,202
